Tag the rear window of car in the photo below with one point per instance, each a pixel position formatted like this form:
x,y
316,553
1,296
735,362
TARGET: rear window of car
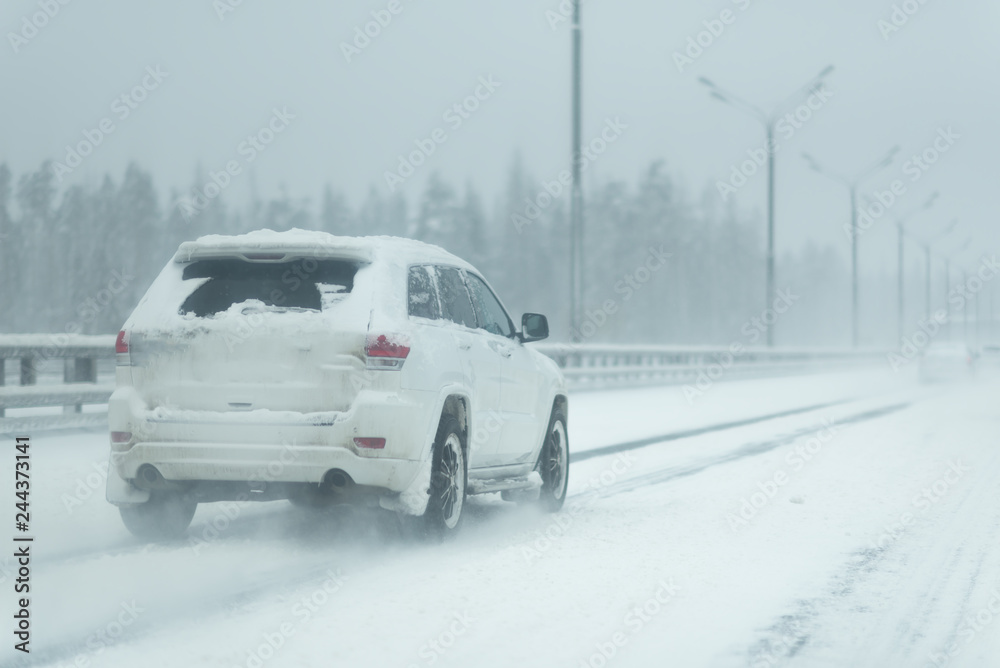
x,y
303,283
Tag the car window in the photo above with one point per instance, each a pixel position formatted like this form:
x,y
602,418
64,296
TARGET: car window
x,y
456,305
423,294
304,283
489,312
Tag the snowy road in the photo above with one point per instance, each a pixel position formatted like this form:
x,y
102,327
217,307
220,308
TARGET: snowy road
x,y
848,519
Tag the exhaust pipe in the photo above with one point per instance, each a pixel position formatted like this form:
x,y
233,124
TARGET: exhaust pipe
x,y
149,477
337,480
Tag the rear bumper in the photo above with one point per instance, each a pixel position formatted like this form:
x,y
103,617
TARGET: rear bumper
x,y
262,463
271,447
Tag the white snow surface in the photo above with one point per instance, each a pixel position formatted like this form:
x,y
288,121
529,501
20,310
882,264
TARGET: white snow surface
x,y
868,538
312,243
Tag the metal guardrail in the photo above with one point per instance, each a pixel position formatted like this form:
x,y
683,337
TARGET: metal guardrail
x,y
595,366
39,356
586,366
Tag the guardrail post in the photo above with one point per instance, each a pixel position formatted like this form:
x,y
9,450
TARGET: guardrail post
x,y
29,374
79,370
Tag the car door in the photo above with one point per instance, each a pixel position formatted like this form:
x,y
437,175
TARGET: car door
x,y
521,378
482,365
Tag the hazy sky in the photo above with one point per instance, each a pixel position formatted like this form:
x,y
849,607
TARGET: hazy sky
x,y
224,76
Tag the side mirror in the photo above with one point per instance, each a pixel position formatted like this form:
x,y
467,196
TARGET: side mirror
x,y
534,327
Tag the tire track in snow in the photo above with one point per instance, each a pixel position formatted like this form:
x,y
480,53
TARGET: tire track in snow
x,y
748,450
699,431
939,582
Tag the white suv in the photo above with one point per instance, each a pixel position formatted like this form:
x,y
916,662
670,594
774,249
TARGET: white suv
x,y
322,369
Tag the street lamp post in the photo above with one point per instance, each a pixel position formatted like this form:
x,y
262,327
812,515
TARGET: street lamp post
x,y
901,297
769,121
852,186
927,251
576,197
947,291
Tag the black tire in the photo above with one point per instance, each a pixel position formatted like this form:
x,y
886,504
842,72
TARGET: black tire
x,y
165,516
449,481
553,463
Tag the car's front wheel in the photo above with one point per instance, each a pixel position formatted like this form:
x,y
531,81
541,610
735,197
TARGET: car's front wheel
x,y
449,476
166,515
553,463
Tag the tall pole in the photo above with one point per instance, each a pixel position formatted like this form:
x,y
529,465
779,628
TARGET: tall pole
x,y
769,121
901,288
852,186
769,299
576,199
900,295
854,266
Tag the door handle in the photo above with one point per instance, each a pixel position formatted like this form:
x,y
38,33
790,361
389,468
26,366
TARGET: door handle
x,y
501,349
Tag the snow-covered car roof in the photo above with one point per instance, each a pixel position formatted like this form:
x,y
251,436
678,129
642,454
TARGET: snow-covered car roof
x,y
310,243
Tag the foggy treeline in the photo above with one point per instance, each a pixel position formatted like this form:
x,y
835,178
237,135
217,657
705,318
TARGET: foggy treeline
x,y
662,264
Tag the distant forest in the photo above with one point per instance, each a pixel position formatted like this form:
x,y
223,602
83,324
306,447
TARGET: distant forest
x,y
78,259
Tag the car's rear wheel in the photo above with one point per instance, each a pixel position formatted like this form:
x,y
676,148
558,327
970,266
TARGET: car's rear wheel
x,y
166,515
449,478
553,463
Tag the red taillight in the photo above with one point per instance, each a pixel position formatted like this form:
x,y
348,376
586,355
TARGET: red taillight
x,y
380,345
122,355
120,437
370,443
386,351
121,343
